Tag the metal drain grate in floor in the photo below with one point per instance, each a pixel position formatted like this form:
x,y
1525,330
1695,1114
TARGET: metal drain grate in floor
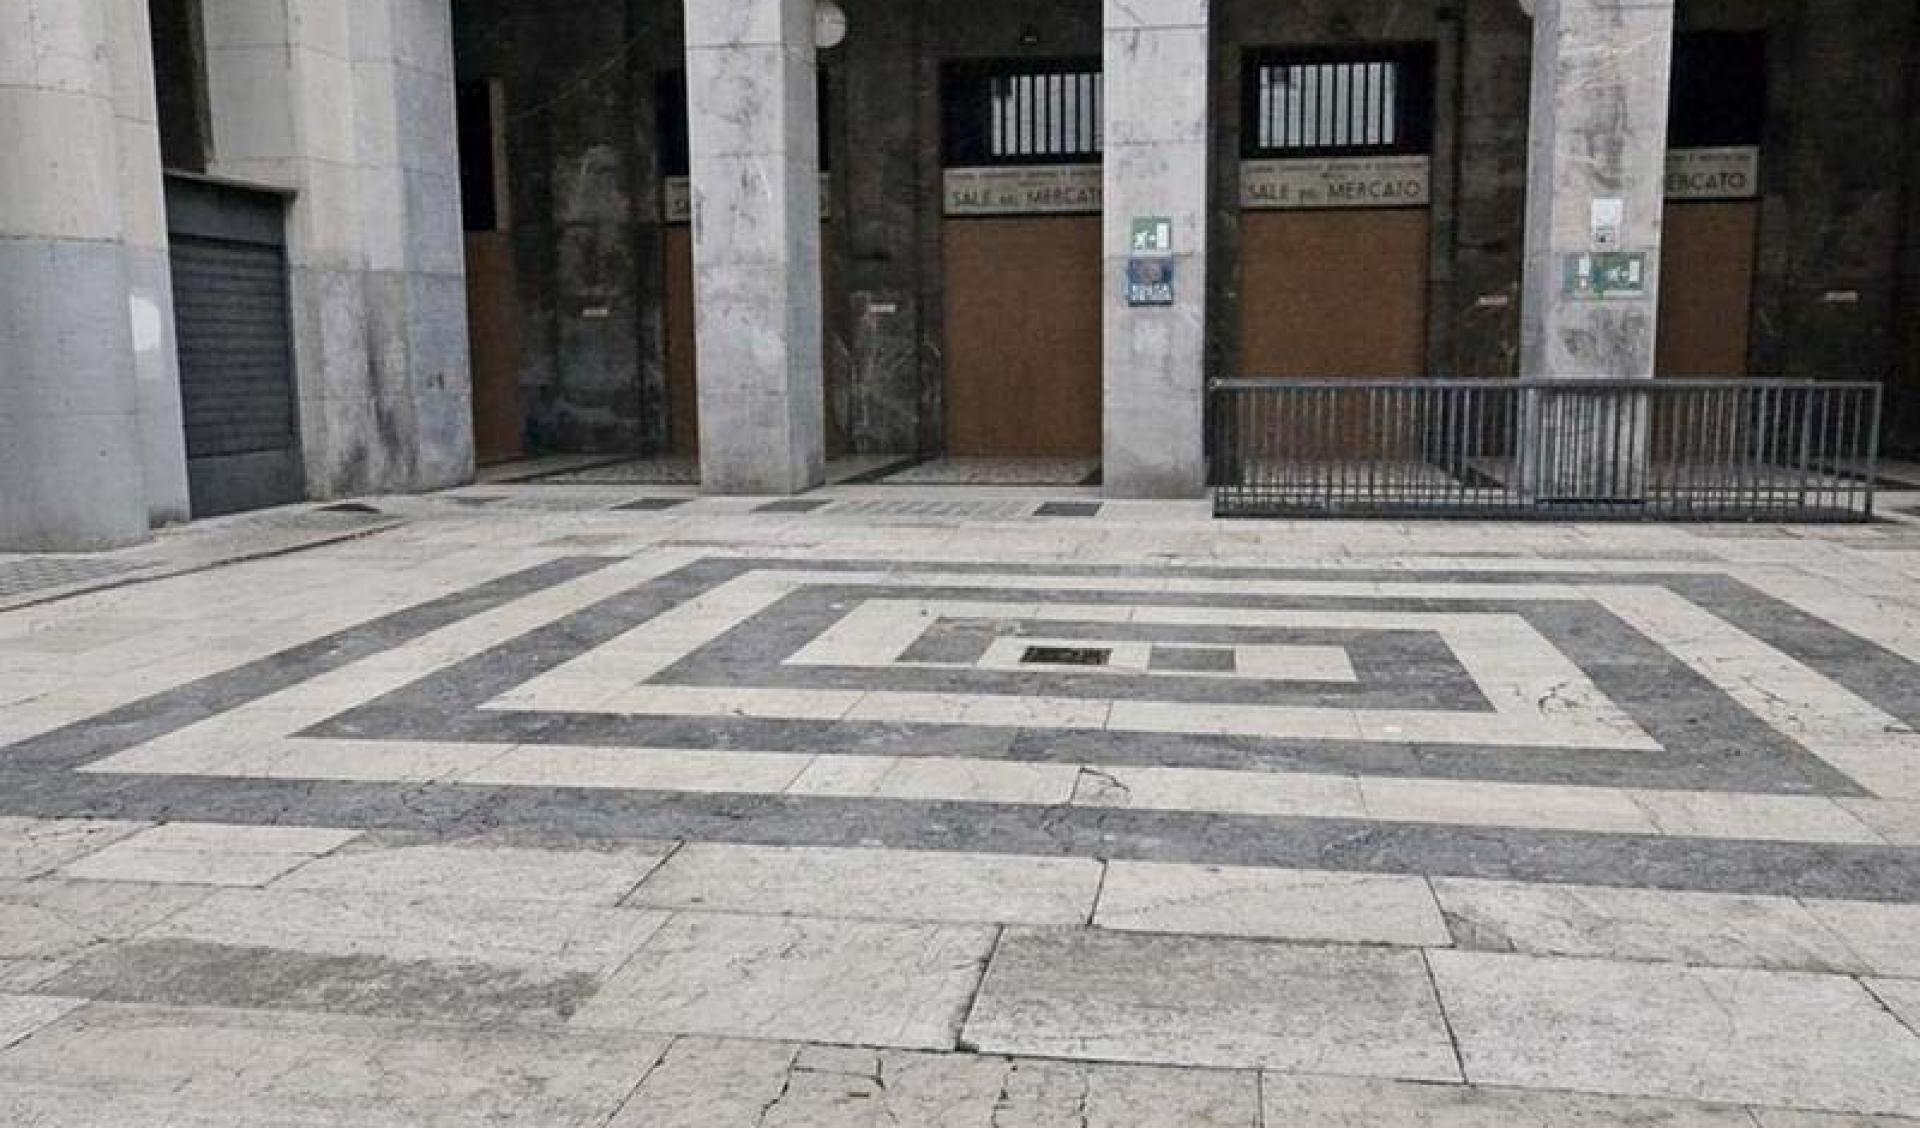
x,y
651,505
794,505
19,577
968,510
1066,656
1068,509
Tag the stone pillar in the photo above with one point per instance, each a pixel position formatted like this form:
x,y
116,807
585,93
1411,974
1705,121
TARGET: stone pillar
x,y
70,452
1591,286
351,105
754,129
416,284
1156,57
143,206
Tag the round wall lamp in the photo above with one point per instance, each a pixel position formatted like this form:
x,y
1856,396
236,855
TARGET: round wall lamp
x,y
829,25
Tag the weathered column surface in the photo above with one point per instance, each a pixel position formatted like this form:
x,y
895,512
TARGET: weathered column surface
x,y
352,107
753,130
1155,222
1594,185
70,453
1591,289
143,208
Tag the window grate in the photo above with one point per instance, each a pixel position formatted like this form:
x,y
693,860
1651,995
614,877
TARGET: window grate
x,y
1024,112
1045,115
1321,103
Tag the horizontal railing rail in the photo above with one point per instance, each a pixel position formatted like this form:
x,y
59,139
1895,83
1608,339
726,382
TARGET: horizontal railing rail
x,y
1669,449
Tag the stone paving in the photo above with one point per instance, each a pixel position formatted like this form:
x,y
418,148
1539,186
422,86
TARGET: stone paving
x,y
591,806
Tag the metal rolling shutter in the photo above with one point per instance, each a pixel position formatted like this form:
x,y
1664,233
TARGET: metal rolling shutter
x,y
236,346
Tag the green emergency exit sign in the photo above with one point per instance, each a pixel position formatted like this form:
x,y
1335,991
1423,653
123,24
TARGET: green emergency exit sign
x,y
1152,235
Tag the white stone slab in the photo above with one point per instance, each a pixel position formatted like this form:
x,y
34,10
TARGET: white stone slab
x,y
938,779
642,769
1885,937
23,1015
861,982
1522,805
1272,903
874,884
301,841
723,1083
172,1066
50,919
208,854
1897,822
590,874
1637,1029
1212,1002
1902,996
23,977
1295,1100
1221,792
31,847
545,936
1781,1118
1715,929
1772,818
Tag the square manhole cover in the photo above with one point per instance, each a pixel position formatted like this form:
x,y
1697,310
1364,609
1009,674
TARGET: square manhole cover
x,y
1066,656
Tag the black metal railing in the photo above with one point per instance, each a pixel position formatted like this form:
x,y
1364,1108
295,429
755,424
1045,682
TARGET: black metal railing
x,y
1687,450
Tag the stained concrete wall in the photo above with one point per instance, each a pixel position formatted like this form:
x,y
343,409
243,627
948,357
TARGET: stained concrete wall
x,y
1904,401
156,366
583,176
71,474
1836,186
351,107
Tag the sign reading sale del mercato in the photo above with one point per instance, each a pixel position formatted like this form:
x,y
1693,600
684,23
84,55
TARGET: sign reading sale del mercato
x,y
1071,189
1337,182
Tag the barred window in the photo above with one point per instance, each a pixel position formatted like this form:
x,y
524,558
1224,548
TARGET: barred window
x,y
1046,115
1323,103
1023,112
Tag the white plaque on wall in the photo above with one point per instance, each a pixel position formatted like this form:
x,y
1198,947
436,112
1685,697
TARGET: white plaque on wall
x,y
1337,182
1067,189
1731,173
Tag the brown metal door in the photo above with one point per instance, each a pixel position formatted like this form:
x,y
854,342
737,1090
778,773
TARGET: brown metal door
x,y
1023,337
1333,293
1706,288
683,391
493,333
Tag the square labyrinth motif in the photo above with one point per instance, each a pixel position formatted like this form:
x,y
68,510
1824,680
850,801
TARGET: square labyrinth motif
x,y
1691,681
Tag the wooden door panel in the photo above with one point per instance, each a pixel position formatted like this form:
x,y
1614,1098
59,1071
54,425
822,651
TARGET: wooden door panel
x,y
1333,293
1023,376
1706,288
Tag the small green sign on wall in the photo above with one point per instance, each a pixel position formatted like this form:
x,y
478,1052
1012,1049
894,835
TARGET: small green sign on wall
x,y
1606,275
1152,235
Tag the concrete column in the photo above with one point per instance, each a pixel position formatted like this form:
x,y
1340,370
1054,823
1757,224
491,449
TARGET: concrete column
x,y
754,131
351,105
70,452
1595,175
143,205
1598,142
409,184
1156,57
